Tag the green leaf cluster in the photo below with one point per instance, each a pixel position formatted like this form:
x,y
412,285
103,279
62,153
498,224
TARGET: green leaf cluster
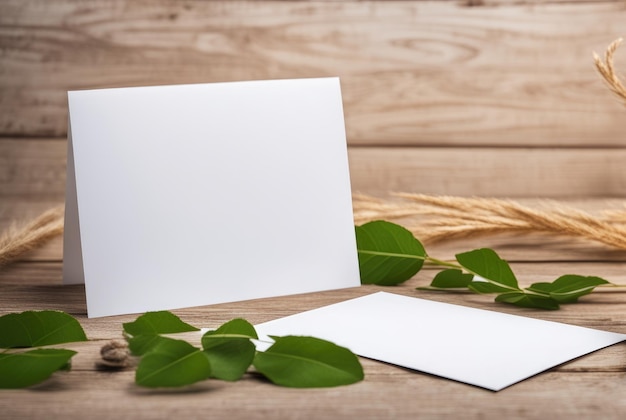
x,y
229,351
389,254
32,329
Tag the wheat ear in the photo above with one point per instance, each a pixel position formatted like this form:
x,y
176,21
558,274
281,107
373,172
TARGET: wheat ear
x,y
438,218
606,69
18,240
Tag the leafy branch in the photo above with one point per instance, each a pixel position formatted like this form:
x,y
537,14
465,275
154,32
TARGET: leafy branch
x,y
389,254
227,353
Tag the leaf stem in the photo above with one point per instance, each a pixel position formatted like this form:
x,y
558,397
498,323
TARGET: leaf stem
x,y
536,293
465,269
443,263
392,254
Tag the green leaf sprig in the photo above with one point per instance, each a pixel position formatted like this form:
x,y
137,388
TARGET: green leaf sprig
x,y
229,351
389,254
33,329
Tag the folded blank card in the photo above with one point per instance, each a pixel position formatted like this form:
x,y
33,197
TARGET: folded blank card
x,y
190,195
483,348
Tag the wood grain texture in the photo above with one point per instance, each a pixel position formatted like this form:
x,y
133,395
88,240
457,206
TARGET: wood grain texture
x,y
413,72
510,172
387,392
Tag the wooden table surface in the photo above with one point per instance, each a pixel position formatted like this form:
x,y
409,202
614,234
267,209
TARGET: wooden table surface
x,y
591,386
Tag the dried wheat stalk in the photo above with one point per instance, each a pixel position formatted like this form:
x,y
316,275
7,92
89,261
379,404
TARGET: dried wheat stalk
x,y
18,240
434,219
607,70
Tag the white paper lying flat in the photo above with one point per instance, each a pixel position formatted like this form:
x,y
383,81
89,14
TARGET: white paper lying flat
x,y
190,195
483,348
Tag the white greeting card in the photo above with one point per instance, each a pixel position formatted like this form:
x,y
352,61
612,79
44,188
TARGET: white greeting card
x,y
483,348
190,195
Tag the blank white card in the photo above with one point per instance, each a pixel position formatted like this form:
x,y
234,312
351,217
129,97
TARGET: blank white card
x,y
189,195
484,348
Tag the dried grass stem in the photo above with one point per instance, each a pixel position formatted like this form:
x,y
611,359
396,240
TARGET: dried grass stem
x,y
434,219
607,70
19,240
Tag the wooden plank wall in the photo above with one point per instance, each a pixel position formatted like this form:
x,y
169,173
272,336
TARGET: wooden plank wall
x,y
490,97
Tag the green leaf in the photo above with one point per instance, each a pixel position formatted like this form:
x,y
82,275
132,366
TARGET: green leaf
x,y
486,287
543,288
487,264
161,322
229,349
568,288
528,300
451,278
308,362
235,328
172,363
20,370
388,253
39,328
230,358
141,344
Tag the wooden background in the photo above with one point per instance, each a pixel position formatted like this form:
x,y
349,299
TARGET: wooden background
x,y
472,97
491,98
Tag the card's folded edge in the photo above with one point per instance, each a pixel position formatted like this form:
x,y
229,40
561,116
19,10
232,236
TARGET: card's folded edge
x,y
73,272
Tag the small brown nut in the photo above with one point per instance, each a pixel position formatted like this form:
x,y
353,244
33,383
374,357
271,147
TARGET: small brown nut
x,y
114,354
